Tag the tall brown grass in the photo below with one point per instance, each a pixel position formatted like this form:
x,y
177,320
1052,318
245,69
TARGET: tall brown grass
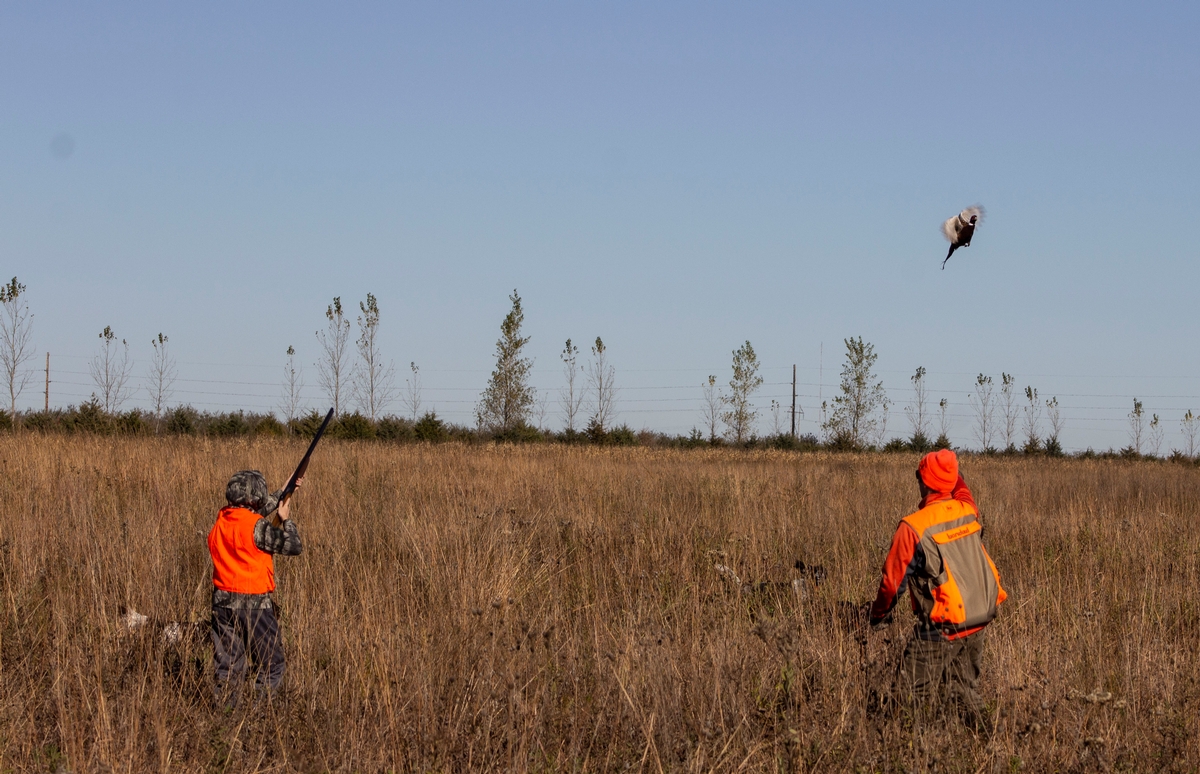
x,y
557,609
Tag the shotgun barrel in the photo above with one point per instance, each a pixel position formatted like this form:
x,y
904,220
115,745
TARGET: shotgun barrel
x,y
290,488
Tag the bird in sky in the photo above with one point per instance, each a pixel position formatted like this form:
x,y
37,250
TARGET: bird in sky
x,y
959,229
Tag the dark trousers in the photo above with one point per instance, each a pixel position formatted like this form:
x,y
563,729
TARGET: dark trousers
x,y
933,671
237,634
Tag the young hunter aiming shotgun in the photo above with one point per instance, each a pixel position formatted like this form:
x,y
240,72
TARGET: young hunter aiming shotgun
x,y
243,544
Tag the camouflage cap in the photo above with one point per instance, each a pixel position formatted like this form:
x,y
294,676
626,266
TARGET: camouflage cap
x,y
248,489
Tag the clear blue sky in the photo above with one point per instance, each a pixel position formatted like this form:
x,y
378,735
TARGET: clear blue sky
x,y
676,178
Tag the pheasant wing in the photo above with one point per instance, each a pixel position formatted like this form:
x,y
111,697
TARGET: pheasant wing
x,y
953,227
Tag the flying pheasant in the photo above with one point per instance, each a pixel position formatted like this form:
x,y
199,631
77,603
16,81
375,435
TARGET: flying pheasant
x,y
959,229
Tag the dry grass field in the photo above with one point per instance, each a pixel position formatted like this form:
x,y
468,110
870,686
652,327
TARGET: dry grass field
x,y
544,608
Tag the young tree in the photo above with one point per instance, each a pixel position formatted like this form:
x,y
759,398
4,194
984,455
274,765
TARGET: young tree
x,y
740,415
1033,416
374,380
1008,407
571,396
776,427
293,385
918,415
331,368
855,419
161,384
885,413
943,439
505,405
710,407
1155,436
1054,416
16,330
110,370
983,402
412,390
1137,427
602,381
1189,426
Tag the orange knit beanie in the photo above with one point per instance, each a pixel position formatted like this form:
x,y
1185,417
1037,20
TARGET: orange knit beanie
x,y
939,470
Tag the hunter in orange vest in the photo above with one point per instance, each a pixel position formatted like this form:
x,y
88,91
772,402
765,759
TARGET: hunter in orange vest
x,y
954,586
243,545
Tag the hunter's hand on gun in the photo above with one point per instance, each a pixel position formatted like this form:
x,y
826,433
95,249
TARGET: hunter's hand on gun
x,y
285,506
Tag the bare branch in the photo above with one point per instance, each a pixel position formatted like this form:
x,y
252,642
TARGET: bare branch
x,y
373,380
571,396
602,381
162,374
110,370
293,386
710,407
331,368
16,347
983,402
412,391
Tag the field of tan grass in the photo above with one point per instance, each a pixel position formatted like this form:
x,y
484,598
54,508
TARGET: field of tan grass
x,y
557,609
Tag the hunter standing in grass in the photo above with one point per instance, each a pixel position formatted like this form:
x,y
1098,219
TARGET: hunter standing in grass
x,y
955,590
243,544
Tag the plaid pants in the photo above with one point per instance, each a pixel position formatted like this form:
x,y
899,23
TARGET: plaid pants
x,y
237,633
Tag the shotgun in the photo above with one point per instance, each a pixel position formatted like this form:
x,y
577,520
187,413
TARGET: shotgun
x,y
290,488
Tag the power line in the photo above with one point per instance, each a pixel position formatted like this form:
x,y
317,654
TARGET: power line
x,y
1098,412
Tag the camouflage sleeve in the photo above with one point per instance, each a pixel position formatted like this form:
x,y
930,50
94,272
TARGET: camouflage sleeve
x,y
276,540
272,502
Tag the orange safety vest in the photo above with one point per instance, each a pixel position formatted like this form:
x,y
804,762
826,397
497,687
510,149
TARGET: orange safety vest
x,y
959,588
239,566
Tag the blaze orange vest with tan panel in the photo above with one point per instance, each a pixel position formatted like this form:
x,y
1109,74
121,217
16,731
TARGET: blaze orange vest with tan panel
x,y
239,566
959,587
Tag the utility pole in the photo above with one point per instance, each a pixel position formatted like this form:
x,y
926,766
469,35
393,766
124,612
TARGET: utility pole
x,y
821,383
47,382
793,400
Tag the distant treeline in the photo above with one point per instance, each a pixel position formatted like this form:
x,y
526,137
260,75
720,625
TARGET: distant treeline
x,y
90,418
1006,420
